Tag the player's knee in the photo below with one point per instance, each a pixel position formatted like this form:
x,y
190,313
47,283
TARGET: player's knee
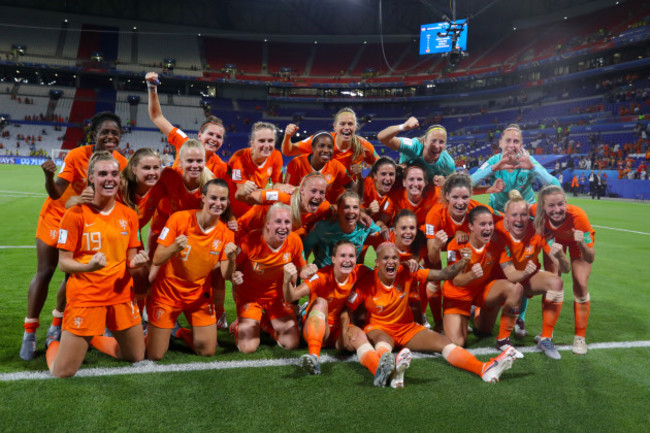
x,y
556,285
63,371
136,356
247,346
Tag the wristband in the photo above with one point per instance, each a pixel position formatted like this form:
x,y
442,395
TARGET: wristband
x,y
401,127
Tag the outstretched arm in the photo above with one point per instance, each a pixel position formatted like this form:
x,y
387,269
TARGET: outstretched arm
x,y
155,112
388,136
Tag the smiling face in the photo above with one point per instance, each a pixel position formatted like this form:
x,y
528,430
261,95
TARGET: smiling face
x,y
147,170
511,141
278,227
322,149
384,179
516,219
215,200
387,263
312,194
434,143
458,199
262,144
107,136
414,182
344,259
481,229
345,126
192,163
555,208
105,178
211,137
349,213
405,230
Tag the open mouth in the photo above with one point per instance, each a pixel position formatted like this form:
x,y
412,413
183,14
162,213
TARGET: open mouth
x,y
391,269
486,235
351,219
282,233
407,238
313,205
347,267
346,134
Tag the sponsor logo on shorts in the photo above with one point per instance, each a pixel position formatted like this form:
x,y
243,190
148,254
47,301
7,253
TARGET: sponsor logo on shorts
x,y
53,233
78,321
159,313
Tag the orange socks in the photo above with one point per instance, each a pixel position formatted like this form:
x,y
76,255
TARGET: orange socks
x,y
550,313
435,304
31,326
370,360
506,325
56,321
581,307
106,345
187,336
314,331
461,358
51,352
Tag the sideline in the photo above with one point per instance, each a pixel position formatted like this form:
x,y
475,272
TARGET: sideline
x,y
621,230
146,367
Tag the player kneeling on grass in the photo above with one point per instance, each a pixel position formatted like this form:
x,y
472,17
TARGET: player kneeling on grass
x,y
387,294
97,243
259,278
520,264
328,291
192,245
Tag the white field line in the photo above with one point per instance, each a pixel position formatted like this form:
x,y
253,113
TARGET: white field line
x,y
145,367
621,230
9,247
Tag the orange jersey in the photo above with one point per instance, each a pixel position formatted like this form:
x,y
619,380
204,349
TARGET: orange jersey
x,y
75,171
263,268
370,194
184,279
520,252
334,172
243,168
430,198
576,219
438,218
324,285
345,157
85,231
488,257
213,163
171,195
388,306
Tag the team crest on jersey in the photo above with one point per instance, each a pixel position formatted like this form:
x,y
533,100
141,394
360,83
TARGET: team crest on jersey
x,y
257,268
286,257
159,313
529,249
328,178
78,321
269,171
123,224
215,244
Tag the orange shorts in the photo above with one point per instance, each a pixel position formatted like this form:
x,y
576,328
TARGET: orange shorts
x,y
401,334
91,321
164,316
47,230
272,309
451,305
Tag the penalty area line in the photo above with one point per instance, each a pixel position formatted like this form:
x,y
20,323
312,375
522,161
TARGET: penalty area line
x,y
145,367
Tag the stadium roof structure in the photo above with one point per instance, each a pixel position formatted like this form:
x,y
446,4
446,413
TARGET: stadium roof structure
x,y
308,18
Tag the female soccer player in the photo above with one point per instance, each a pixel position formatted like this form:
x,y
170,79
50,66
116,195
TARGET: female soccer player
x,y
320,160
258,281
192,245
97,244
328,291
326,233
520,264
567,224
211,133
429,149
386,294
307,202
349,149
376,190
254,168
416,194
476,285
107,130
446,220
515,167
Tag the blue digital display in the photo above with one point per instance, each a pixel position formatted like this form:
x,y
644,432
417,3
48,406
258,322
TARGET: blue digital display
x,y
431,42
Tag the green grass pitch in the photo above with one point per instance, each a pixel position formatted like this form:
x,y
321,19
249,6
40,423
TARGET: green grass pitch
x,y
606,390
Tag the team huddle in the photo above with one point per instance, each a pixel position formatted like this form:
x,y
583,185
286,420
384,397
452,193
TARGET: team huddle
x,y
247,222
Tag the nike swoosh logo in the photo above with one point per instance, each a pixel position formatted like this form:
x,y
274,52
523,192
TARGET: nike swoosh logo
x,y
88,225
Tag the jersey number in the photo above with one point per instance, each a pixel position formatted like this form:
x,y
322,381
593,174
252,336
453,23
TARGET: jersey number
x,y
185,254
93,241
